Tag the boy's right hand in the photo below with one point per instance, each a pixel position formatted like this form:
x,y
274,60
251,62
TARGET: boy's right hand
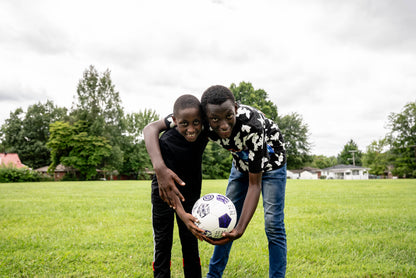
x,y
167,189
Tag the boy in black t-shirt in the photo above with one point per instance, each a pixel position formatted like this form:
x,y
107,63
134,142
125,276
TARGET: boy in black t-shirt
x,y
181,149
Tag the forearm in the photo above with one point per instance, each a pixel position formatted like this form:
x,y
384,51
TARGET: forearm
x,y
151,137
180,211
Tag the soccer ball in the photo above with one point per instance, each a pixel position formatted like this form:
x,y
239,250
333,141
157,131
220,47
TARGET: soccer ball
x,y
216,214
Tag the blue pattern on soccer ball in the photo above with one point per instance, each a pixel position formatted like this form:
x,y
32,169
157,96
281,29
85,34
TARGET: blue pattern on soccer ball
x,y
203,210
224,221
222,199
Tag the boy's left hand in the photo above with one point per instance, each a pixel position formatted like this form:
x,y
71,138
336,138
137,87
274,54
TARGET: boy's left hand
x,y
189,220
227,237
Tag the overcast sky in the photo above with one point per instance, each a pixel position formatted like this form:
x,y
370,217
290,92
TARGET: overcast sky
x,y
344,66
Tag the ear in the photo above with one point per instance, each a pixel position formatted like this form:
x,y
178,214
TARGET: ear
x,y
174,120
235,107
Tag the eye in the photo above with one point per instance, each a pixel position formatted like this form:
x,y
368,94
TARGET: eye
x,y
214,119
184,124
230,116
196,122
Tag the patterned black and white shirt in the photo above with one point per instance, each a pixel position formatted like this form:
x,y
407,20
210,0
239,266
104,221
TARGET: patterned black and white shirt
x,y
256,142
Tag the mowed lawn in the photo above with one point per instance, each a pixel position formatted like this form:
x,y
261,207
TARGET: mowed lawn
x,y
103,229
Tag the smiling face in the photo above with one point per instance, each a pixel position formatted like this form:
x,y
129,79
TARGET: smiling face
x,y
222,117
188,122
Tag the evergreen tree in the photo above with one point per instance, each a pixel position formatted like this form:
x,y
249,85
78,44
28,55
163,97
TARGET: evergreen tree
x,y
350,155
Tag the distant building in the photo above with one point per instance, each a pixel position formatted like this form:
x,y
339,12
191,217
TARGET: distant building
x,y
346,172
59,173
307,173
11,160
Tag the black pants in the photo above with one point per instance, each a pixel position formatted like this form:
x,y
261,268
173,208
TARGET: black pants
x,y
163,221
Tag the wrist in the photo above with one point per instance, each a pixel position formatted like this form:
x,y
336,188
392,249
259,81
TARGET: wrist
x,y
159,166
239,230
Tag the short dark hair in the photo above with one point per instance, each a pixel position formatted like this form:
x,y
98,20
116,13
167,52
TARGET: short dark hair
x,y
185,101
216,94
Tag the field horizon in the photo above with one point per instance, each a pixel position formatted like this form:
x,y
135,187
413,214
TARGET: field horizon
x,y
335,228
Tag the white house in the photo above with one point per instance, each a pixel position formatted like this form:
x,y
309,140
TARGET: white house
x,y
292,174
306,173
346,172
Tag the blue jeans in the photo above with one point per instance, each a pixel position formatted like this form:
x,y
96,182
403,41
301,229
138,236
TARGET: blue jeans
x,y
273,192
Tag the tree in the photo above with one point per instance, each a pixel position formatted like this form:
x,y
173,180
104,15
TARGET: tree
x,y
295,134
322,162
377,157
136,159
98,104
135,122
402,139
216,162
12,131
27,133
294,130
71,145
350,155
246,94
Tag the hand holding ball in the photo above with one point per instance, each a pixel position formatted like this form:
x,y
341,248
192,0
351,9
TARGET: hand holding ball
x,y
216,214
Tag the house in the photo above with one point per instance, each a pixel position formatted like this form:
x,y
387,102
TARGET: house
x,y
11,160
292,174
346,172
306,173
59,173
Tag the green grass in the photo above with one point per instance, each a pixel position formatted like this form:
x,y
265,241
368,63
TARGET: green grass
x,y
103,229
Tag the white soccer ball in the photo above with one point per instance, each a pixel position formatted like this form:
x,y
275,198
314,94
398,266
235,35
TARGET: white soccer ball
x,y
216,214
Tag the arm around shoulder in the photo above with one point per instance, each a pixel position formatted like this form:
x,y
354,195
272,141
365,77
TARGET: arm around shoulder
x,y
166,178
151,138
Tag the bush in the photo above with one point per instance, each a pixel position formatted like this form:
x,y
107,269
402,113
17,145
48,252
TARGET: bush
x,y
21,175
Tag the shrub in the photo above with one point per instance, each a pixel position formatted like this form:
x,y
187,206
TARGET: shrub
x,y
8,174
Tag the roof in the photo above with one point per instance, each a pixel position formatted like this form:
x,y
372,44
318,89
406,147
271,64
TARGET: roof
x,y
59,168
343,166
308,169
11,159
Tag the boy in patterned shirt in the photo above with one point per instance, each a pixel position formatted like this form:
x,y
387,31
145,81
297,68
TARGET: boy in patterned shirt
x,y
259,167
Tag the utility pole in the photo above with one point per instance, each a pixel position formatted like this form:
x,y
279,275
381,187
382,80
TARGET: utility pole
x,y
353,156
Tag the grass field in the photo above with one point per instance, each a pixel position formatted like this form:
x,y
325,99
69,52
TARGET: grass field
x,y
103,229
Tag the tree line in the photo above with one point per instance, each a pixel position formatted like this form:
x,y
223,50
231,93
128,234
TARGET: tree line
x,y
95,133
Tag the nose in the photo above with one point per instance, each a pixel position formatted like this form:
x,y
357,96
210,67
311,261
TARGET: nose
x,y
223,125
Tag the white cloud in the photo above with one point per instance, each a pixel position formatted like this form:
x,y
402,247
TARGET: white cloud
x,y
342,65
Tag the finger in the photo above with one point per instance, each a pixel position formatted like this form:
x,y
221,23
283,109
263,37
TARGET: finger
x,y
225,234
163,195
172,203
178,180
199,236
175,192
180,196
214,241
201,231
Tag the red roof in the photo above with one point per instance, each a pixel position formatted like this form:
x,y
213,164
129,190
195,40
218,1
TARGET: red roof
x,y
10,160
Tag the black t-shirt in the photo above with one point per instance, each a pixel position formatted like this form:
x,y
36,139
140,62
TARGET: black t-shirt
x,y
185,159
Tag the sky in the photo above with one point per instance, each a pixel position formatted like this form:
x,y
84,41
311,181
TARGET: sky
x,y
344,66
